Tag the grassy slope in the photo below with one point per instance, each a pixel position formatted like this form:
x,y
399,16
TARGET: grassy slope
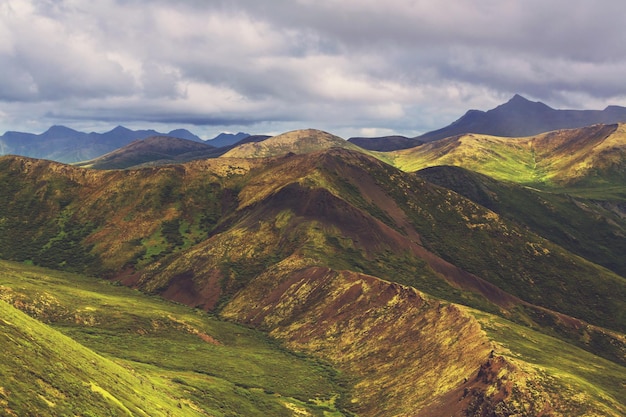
x,y
154,356
502,158
139,352
47,373
585,162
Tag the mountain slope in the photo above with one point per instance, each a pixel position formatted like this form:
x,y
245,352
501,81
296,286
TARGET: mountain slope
x,y
521,117
588,157
324,250
416,356
594,230
112,221
42,369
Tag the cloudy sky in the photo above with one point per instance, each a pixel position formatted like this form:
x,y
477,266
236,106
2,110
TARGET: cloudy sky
x,y
352,67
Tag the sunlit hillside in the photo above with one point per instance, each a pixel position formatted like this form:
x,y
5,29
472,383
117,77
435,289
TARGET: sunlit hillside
x,y
323,282
587,157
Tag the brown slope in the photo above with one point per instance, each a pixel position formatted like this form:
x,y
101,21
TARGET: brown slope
x,y
282,217
277,216
407,353
404,229
403,348
580,154
124,214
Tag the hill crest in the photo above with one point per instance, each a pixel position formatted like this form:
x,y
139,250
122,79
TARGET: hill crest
x,y
296,141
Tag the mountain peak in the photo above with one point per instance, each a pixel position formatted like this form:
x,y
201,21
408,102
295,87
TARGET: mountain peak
x,y
518,98
59,129
519,104
184,134
227,139
522,117
119,128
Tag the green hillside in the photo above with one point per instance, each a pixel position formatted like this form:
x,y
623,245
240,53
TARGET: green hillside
x,y
87,347
409,295
587,162
590,228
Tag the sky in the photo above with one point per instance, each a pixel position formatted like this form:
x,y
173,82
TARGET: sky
x,y
350,67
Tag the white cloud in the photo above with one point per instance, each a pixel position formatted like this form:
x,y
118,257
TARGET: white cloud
x,y
399,65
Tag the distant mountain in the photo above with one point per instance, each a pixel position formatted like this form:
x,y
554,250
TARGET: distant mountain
x,y
154,150
185,134
522,117
385,143
57,143
62,144
227,139
159,150
251,139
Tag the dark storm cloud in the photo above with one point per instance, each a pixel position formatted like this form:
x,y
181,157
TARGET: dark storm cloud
x,y
369,66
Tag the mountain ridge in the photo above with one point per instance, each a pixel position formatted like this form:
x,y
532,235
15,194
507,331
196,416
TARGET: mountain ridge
x,y
335,181
518,117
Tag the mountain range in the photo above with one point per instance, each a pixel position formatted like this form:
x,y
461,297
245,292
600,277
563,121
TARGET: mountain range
x,y
62,144
516,118
470,276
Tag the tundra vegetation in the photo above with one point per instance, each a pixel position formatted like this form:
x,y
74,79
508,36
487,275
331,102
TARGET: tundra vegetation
x,y
325,281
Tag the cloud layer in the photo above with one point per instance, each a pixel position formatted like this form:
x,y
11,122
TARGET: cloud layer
x,y
350,66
